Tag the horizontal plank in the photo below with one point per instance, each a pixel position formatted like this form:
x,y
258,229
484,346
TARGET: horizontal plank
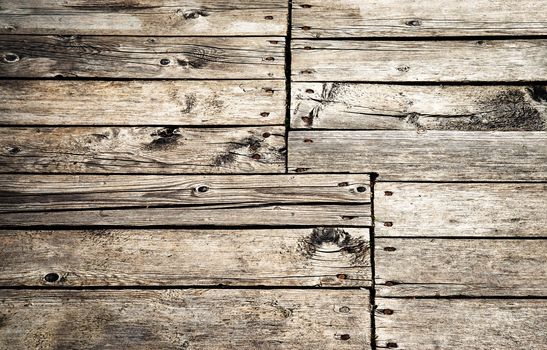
x,y
142,150
334,257
352,19
65,102
58,192
144,17
142,57
185,319
470,267
480,324
460,209
421,60
433,156
414,107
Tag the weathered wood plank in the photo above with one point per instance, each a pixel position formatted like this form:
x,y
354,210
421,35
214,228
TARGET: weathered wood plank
x,y
185,319
59,192
62,102
404,107
144,17
354,18
334,257
142,150
460,209
435,61
142,57
481,324
470,267
430,156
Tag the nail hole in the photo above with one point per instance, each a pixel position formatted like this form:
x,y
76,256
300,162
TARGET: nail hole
x,y
392,345
268,90
305,6
306,28
307,71
391,283
269,59
256,156
309,91
266,135
11,58
345,337
203,189
165,61
51,277
14,150
388,224
361,189
414,23
269,18
343,184
264,114
342,276
308,140
390,249
388,193
344,309
273,42
307,47
387,312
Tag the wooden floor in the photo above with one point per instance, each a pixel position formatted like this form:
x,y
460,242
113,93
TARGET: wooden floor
x,y
244,174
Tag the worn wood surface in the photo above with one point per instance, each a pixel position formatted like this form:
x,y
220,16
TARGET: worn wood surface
x,y
142,57
334,257
482,324
61,192
415,107
460,209
73,102
142,150
454,267
433,155
355,18
185,319
433,61
144,17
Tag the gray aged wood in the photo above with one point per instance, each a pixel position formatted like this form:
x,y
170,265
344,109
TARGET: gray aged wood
x,y
185,319
482,324
414,107
334,257
460,209
142,57
57,192
355,18
433,155
39,102
454,267
144,17
434,61
159,150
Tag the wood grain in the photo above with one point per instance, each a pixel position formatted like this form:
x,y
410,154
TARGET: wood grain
x,y
354,18
185,319
455,267
144,17
142,150
421,60
460,209
415,107
61,192
142,57
430,156
482,324
72,102
333,257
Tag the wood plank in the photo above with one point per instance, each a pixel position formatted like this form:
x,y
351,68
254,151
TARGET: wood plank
x,y
185,319
65,102
470,267
353,19
142,150
142,57
415,107
430,156
420,60
460,209
144,17
480,324
61,192
333,257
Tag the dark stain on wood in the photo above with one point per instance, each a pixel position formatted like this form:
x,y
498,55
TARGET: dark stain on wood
x,y
356,247
165,139
112,6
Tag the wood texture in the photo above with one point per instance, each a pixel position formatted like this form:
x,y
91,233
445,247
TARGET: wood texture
x,y
460,209
142,150
423,61
144,17
454,267
482,324
334,257
185,319
45,102
59,192
414,107
142,57
434,155
354,18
